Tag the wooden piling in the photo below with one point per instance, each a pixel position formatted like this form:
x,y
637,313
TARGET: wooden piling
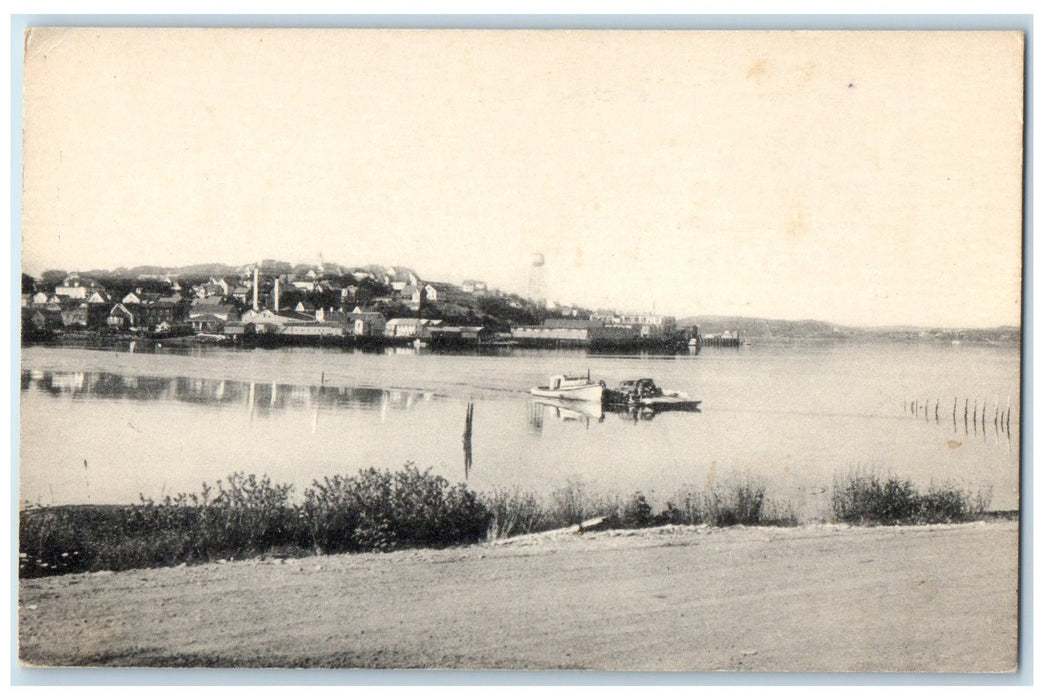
x,y
466,438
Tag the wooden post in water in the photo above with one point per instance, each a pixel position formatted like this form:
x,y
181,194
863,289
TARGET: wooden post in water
x,y
937,410
926,410
955,414
966,416
468,414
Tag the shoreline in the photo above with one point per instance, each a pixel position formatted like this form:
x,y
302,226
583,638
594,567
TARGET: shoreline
x,y
688,598
410,509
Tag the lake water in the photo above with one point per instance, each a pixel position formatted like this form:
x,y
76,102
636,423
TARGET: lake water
x,y
105,426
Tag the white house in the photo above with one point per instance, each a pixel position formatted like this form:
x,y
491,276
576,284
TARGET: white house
x,y
407,327
442,292
72,291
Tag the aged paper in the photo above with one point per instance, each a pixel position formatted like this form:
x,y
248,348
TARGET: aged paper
x,y
865,184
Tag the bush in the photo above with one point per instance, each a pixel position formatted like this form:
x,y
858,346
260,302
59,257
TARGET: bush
x,y
381,511
873,500
637,512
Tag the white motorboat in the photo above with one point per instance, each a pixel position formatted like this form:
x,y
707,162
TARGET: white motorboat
x,y
567,388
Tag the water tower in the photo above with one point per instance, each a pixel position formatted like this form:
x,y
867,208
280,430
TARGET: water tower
x,y
537,279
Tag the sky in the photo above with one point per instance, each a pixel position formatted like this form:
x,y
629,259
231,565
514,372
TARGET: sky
x,y
863,178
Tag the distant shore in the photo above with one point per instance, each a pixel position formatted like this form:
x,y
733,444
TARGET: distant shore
x,y
940,598
378,344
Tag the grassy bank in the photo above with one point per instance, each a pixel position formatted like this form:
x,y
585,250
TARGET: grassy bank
x,y
245,516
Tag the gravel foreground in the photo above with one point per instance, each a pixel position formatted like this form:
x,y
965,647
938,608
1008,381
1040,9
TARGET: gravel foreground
x,y
940,598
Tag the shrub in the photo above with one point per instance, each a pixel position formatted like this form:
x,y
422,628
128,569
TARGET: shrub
x,y
873,500
637,512
380,511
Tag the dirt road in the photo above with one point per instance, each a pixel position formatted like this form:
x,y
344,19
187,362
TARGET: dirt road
x,y
938,598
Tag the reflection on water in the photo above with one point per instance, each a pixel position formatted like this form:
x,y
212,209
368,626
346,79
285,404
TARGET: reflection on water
x,y
584,412
258,397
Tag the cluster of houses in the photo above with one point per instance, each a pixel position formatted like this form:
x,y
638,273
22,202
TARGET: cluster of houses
x,y
83,304
272,301
256,304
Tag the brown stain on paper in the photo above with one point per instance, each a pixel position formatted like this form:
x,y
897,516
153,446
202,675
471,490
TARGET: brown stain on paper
x,y
759,69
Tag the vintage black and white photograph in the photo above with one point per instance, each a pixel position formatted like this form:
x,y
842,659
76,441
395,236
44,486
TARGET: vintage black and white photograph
x,y
522,349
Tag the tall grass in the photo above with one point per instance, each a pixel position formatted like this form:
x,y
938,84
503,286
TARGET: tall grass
x,y
518,512
737,503
741,503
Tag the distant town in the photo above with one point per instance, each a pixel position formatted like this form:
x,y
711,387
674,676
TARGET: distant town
x,y
277,303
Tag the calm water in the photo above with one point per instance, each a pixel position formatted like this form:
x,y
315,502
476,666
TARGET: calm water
x,y
792,417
